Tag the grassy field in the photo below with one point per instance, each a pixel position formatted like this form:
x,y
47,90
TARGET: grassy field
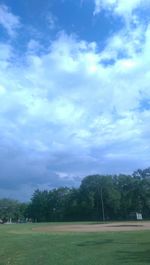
x,y
20,245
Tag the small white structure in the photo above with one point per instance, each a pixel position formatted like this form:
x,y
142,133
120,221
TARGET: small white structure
x,y
139,216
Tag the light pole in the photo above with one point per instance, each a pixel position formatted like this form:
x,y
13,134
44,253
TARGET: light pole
x,y
102,204
100,199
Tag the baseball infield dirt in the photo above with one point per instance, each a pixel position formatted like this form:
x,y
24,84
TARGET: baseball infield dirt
x,y
105,227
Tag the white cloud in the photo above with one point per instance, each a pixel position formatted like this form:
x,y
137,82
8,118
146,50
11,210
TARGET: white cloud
x,y
2,89
5,52
68,109
60,86
124,8
52,21
118,6
8,20
33,46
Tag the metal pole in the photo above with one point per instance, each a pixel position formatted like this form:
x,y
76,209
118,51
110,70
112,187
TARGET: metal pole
x,y
102,203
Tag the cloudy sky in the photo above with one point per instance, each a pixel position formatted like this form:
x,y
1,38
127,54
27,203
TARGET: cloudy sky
x,y
74,91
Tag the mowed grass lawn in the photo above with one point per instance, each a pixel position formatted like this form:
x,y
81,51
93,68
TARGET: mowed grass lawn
x,y
19,245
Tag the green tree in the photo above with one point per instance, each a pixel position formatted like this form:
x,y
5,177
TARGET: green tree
x,y
103,195
9,210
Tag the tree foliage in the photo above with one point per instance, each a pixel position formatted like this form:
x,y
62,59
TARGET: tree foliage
x,y
113,197
121,195
12,210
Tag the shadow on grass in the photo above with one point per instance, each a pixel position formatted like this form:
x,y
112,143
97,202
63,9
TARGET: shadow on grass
x,y
104,242
134,256
95,243
130,256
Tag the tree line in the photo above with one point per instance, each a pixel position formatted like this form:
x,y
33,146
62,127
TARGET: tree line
x,y
99,197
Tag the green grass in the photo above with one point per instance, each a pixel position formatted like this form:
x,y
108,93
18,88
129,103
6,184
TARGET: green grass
x,y
19,245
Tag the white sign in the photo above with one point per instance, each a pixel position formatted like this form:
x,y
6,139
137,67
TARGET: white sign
x,y
139,216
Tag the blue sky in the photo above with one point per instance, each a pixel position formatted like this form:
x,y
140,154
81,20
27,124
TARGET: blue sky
x,y
74,91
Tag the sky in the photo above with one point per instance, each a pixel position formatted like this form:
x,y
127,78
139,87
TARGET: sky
x,y
74,91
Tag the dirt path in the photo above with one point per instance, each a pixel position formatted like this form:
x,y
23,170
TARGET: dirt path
x,y
116,226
